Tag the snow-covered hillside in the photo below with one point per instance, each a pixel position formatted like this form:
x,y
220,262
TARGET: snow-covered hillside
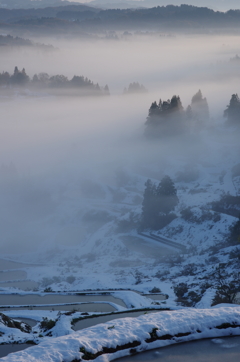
x,y
91,237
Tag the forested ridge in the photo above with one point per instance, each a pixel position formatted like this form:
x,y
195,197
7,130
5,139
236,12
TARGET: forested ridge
x,y
159,17
19,78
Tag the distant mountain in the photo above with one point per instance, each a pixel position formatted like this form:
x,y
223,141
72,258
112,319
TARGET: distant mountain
x,y
222,5
82,18
39,4
14,15
28,4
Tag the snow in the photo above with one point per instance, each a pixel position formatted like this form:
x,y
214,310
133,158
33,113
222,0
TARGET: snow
x,y
207,299
199,323
126,264
133,300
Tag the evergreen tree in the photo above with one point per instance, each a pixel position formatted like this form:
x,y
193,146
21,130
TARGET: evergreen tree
x,y
167,195
19,78
4,78
234,237
189,112
158,202
166,118
232,113
35,78
106,90
200,108
148,213
16,71
135,87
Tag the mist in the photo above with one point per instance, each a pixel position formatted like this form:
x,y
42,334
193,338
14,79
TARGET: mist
x,y
119,176
59,154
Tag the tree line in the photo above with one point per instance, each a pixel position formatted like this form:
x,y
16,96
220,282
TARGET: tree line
x,y
168,118
158,16
19,78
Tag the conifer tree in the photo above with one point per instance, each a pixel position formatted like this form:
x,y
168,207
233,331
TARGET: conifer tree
x,y
232,113
148,214
167,195
158,202
234,237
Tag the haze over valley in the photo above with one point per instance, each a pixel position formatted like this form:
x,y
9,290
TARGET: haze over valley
x,y
119,174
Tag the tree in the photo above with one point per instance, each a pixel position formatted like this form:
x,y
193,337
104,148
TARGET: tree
x,y
148,205
200,110
166,118
189,112
58,81
167,195
4,78
234,237
135,87
106,90
19,78
35,79
16,71
232,112
227,285
158,202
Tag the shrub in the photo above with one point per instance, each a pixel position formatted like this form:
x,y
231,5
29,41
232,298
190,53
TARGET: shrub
x,y
213,259
189,269
155,290
227,204
227,285
180,289
47,324
194,297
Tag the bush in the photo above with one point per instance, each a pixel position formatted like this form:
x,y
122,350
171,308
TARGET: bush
x,y
180,289
227,204
155,290
227,285
47,324
194,298
189,269
188,215
213,259
209,216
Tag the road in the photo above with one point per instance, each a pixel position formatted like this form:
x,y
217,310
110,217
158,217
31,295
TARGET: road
x,y
164,241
